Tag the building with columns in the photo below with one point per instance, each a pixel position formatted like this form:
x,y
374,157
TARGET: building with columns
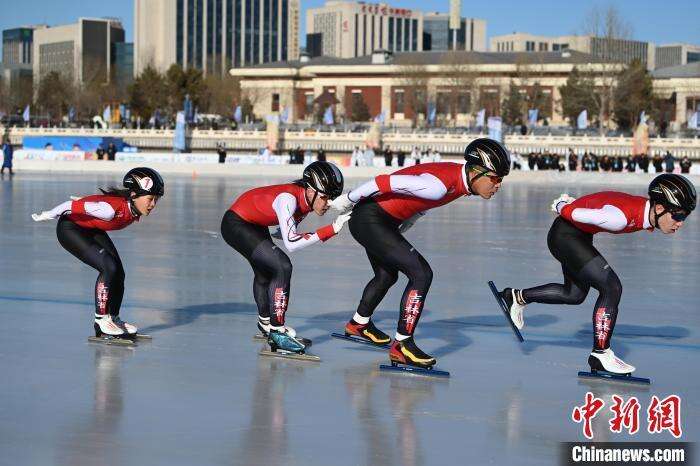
x,y
403,86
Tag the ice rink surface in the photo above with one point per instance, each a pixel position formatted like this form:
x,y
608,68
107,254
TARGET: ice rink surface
x,y
199,394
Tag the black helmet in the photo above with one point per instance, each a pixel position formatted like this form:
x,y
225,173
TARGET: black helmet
x,y
325,178
674,192
488,154
144,181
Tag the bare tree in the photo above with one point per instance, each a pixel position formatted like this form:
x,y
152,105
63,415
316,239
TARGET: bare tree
x,y
607,28
413,77
460,76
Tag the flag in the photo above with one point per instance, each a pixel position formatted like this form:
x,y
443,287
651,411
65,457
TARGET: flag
x,y
71,114
284,115
196,115
238,114
694,121
187,107
582,120
481,117
495,128
179,142
107,114
25,115
432,113
380,118
532,116
642,117
328,116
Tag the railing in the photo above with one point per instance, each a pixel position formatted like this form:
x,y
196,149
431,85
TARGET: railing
x,y
337,141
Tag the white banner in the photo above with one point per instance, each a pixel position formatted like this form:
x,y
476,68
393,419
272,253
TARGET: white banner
x,y
49,155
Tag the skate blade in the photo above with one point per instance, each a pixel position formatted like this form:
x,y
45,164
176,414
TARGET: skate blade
x,y
125,342
354,339
304,341
143,336
502,305
289,355
396,367
616,377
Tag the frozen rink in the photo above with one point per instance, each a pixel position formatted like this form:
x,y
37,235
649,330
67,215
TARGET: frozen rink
x,y
199,394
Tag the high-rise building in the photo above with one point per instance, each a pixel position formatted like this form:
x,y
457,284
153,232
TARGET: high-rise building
x,y
81,51
17,59
676,54
355,29
469,35
214,35
621,50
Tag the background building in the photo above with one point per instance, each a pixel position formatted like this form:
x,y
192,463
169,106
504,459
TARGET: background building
x,y
353,29
17,59
677,54
82,51
438,36
214,35
621,50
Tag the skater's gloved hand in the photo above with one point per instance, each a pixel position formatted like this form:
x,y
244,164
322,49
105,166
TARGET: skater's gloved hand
x,y
42,217
339,221
342,203
277,233
560,202
409,222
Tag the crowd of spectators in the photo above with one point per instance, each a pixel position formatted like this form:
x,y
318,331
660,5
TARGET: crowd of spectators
x,y
589,161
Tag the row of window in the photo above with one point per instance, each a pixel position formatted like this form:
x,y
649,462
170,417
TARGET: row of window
x,y
226,31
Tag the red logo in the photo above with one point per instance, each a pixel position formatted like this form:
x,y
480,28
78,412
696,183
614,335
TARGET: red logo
x,y
102,298
280,304
414,303
665,415
626,415
587,412
602,326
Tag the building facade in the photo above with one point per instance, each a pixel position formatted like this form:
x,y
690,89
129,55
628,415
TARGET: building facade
x,y
82,51
214,35
470,35
677,54
620,50
405,86
355,29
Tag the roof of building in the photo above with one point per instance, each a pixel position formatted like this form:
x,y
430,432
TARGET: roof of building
x,y
691,70
437,58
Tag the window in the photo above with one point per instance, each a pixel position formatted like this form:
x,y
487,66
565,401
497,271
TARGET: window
x,y
399,101
529,46
442,106
463,102
544,47
308,103
275,102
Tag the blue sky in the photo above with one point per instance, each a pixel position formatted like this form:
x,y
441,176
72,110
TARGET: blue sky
x,y
660,22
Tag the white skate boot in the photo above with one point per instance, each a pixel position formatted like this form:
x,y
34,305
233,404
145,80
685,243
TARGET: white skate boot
x,y
105,325
608,362
516,309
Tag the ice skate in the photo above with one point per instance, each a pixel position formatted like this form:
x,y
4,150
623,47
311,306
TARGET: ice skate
x,y
111,331
264,328
514,307
367,334
283,345
507,311
605,364
407,357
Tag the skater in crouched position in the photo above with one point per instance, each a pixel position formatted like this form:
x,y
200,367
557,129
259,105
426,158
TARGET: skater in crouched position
x,y
671,199
245,228
82,231
384,208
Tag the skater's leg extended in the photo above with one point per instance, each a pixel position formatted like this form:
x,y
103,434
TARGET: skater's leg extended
x,y
82,243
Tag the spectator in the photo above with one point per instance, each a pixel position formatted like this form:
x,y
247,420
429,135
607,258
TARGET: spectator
x,y
594,162
657,163
617,165
388,156
356,157
100,152
321,157
643,162
532,160
541,162
670,162
573,161
631,164
7,153
685,164
435,155
415,155
400,157
111,151
517,161
221,150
